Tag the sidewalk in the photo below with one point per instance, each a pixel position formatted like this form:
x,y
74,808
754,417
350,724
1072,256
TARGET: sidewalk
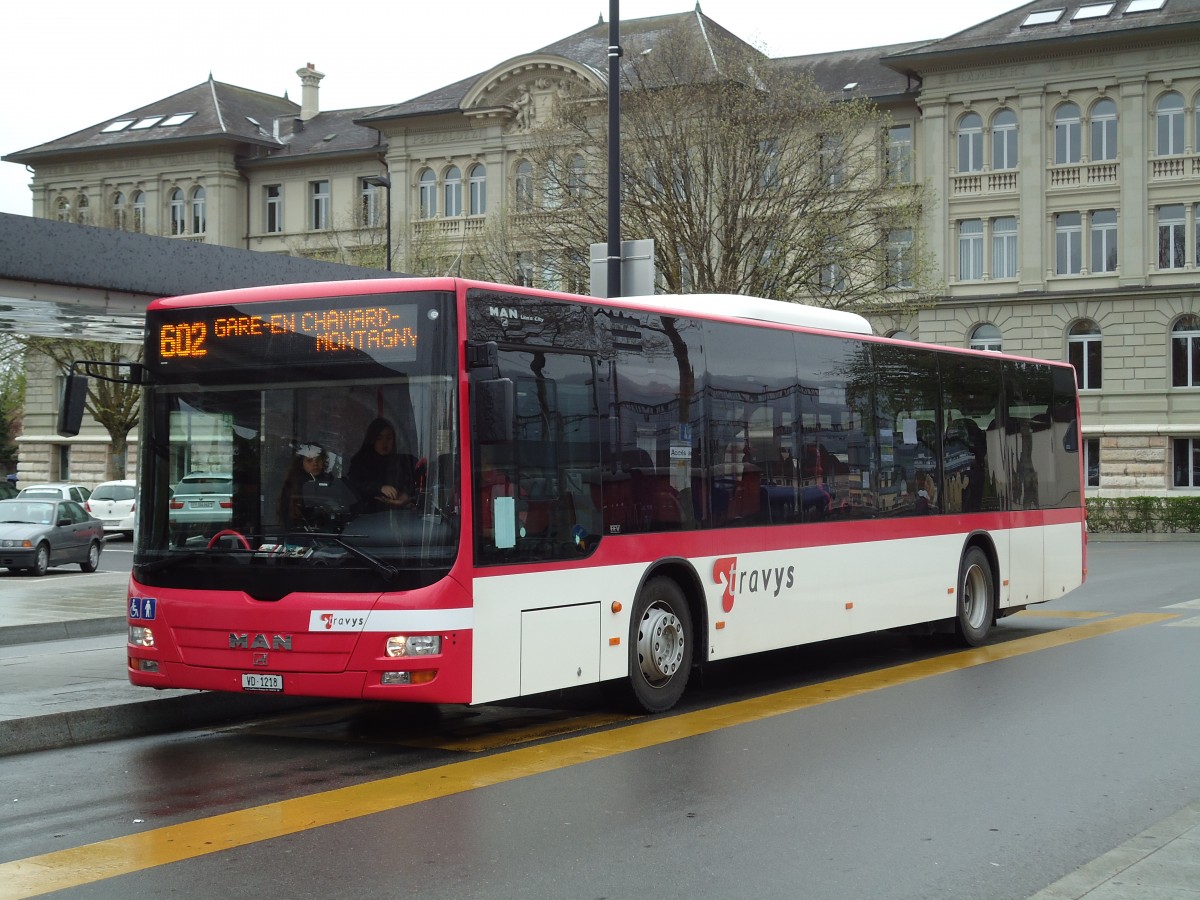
x,y
62,683
62,670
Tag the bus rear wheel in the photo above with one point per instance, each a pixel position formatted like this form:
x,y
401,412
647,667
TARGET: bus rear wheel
x,y
660,646
976,598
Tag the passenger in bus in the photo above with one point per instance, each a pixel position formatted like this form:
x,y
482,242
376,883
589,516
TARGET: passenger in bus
x,y
307,473
381,478
924,494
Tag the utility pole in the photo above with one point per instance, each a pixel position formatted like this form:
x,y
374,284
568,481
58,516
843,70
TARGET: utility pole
x,y
614,148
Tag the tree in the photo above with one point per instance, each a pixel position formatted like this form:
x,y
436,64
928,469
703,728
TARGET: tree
x,y
116,405
749,178
12,398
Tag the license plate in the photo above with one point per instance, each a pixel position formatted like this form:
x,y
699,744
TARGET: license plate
x,y
202,504
259,682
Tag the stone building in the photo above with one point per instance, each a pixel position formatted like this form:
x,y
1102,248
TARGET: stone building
x,y
1060,143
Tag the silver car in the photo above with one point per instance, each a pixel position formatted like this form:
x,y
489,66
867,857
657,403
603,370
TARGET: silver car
x,y
36,534
201,502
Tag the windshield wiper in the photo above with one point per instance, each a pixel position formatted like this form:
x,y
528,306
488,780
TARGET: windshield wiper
x,y
389,573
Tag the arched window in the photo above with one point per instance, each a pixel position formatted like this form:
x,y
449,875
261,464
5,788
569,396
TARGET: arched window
x,y
453,192
83,212
986,337
1004,140
118,211
177,215
139,212
1066,134
970,143
199,217
1104,130
1084,353
1168,118
63,209
478,189
524,185
1185,352
427,190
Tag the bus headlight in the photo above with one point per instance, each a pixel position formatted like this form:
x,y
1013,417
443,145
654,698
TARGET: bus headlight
x,y
414,645
141,636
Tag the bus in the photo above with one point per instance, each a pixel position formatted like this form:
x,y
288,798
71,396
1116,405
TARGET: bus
x,y
570,490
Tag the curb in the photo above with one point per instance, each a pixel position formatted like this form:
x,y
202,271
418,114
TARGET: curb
x,y
138,719
36,633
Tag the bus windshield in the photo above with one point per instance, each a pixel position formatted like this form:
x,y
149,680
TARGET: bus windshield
x,y
284,468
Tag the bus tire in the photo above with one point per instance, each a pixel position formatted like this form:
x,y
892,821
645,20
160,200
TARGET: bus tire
x,y
661,643
976,598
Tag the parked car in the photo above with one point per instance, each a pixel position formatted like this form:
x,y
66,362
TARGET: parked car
x,y
57,490
36,534
113,503
201,501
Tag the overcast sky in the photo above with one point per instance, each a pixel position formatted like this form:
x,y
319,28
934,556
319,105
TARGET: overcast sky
x,y
72,64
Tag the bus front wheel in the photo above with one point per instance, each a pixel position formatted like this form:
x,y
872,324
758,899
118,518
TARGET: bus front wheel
x,y
976,598
660,646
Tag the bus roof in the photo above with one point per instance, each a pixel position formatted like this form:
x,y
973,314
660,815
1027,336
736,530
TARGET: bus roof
x,y
756,308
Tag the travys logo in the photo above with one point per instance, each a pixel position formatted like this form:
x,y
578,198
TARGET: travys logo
x,y
337,620
766,580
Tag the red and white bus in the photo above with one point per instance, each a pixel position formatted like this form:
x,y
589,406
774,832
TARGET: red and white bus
x,y
583,490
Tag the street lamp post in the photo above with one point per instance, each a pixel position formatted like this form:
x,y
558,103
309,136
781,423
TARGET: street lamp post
x,y
385,182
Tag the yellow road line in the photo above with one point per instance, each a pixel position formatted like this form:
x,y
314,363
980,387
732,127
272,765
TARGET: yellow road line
x,y
69,868
1061,614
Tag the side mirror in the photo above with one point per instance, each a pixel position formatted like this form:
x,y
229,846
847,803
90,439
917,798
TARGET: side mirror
x,y
495,402
70,412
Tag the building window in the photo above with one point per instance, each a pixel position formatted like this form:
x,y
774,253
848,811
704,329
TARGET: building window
x,y
273,212
319,208
453,192
1004,247
1091,461
63,210
970,143
371,204
177,210
1171,228
1104,131
576,181
1187,462
427,194
1104,240
525,265
1068,243
478,189
986,337
970,250
899,154
199,219
1185,352
118,211
1004,140
1168,119
139,212
832,160
1084,353
83,213
1066,134
899,243
524,185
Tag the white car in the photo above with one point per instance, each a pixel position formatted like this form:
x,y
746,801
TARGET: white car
x,y
113,504
56,490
